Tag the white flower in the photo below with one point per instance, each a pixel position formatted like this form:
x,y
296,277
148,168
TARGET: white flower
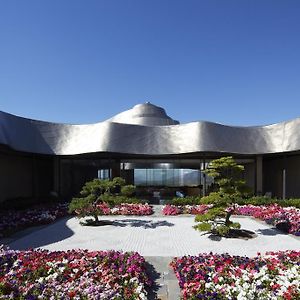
x,y
134,280
208,285
52,276
242,296
139,288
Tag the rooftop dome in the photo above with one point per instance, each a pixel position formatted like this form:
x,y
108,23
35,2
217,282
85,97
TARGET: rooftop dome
x,y
145,114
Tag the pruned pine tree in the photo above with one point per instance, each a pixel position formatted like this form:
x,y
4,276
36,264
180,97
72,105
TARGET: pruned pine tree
x,y
227,176
91,195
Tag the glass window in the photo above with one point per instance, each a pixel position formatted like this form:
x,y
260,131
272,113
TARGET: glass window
x,y
103,173
166,177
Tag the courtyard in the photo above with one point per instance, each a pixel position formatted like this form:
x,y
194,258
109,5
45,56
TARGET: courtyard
x,y
157,238
166,236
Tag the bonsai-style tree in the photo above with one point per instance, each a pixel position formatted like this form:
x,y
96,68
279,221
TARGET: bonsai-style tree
x,y
227,176
91,196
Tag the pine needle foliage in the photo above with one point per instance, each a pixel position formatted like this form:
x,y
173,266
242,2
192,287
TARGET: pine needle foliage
x,y
227,176
97,191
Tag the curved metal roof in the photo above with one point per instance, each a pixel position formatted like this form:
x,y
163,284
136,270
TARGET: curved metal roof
x,y
146,129
145,114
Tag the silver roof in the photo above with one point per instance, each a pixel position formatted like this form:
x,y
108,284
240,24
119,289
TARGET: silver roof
x,y
146,129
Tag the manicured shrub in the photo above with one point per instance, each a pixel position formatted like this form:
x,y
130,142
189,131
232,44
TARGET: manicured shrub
x,y
189,200
128,190
226,173
173,210
286,219
113,200
260,200
91,195
254,200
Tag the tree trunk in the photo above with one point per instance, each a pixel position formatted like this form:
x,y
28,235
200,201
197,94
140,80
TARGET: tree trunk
x,y
228,215
227,221
96,218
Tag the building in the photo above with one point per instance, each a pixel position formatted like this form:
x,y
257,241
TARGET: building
x,y
146,147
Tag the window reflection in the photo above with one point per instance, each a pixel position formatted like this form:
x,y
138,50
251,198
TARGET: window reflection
x,y
167,177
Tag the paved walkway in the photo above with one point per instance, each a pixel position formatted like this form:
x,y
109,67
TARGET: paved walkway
x,y
156,237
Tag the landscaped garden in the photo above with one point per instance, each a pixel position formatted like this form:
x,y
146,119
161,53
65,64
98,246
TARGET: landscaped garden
x,y
83,274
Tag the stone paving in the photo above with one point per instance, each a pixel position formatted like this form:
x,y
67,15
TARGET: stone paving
x,y
156,237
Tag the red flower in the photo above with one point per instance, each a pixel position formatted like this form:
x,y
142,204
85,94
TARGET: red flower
x,y
72,294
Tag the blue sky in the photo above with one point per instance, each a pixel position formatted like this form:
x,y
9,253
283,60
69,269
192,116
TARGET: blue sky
x,y
232,62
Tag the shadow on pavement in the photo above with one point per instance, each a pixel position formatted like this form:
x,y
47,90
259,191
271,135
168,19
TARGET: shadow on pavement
x,y
147,224
154,276
233,234
270,232
50,234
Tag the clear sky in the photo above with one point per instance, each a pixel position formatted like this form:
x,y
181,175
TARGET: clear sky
x,y
232,62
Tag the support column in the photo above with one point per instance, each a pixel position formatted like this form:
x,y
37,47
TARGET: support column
x,y
115,168
259,175
203,175
56,175
283,184
35,179
284,178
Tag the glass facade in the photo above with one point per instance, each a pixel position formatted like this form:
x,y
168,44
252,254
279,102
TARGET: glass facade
x,y
104,173
167,177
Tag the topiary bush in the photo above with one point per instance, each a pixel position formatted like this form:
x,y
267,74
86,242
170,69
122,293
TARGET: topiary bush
x,y
254,200
96,192
113,200
189,200
260,200
128,190
226,173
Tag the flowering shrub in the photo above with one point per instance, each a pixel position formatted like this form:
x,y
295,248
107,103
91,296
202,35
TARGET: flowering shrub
x,y
212,276
126,209
274,214
74,274
11,220
172,210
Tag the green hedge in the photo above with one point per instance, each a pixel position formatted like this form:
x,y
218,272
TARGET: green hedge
x,y
189,200
113,200
258,200
267,201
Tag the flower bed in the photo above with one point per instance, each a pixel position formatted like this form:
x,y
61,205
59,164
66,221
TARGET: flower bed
x,y
11,220
214,276
74,274
275,215
126,209
173,210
